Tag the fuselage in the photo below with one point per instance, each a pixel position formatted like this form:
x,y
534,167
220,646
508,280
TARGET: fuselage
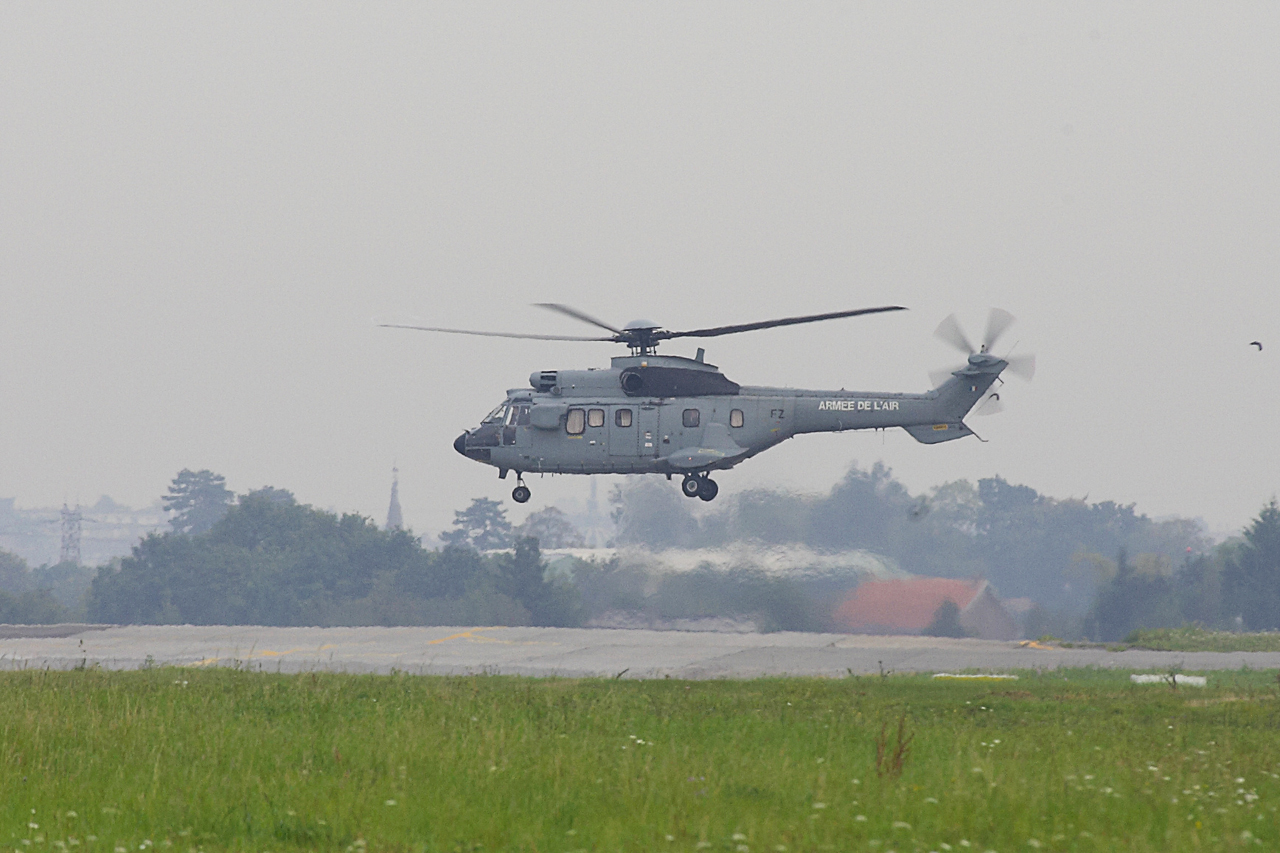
x,y
671,415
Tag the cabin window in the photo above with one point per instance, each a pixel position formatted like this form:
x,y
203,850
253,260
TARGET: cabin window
x,y
692,417
575,422
622,417
735,418
595,417
496,415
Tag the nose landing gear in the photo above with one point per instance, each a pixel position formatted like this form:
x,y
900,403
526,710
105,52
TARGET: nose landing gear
x,y
699,486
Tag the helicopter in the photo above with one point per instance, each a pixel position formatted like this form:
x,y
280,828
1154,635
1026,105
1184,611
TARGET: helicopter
x,y
677,416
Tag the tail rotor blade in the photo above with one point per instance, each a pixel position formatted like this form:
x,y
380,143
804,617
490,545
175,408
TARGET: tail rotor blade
x,y
950,332
990,405
1022,366
998,322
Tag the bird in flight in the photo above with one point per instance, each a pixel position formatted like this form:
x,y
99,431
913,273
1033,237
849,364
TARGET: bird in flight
x,y
1257,344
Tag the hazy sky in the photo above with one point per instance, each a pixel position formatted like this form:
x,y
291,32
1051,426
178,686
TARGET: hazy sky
x,y
203,206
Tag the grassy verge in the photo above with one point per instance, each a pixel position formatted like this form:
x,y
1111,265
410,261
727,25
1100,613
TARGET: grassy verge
x,y
1190,638
226,760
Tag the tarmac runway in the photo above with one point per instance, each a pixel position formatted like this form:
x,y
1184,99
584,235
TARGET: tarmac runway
x,y
565,652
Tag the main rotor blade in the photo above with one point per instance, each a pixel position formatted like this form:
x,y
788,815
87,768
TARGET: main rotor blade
x,y
577,315
949,332
717,331
998,322
1022,366
491,334
942,374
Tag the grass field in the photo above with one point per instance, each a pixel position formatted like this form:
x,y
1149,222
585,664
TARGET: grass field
x,y
1190,638
226,760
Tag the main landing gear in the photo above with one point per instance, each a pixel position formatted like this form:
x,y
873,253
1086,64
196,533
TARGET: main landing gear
x,y
699,486
520,494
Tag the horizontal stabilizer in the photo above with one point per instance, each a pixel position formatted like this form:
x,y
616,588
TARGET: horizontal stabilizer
x,y
936,433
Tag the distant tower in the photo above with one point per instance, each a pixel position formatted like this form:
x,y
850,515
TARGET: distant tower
x,y
71,520
395,521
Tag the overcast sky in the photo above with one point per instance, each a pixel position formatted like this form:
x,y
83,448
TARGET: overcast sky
x,y
203,206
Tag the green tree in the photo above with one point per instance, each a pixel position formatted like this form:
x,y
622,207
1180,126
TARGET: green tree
x,y
1199,589
551,528
946,621
867,509
482,526
651,513
33,607
269,561
198,499
1133,599
15,578
1251,578
522,577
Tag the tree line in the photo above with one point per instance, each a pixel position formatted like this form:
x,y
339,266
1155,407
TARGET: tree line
x,y
1235,586
264,558
1098,570
1027,544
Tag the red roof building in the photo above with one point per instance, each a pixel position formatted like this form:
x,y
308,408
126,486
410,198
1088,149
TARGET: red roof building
x,y
909,606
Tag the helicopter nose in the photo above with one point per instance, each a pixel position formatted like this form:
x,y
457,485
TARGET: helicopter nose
x,y
460,444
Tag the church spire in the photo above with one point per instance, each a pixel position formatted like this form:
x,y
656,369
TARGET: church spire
x,y
395,521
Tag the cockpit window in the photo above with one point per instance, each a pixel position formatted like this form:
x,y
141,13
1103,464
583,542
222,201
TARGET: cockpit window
x,y
496,415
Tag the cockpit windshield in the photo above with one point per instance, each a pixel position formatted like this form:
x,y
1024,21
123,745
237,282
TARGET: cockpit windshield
x,y
496,415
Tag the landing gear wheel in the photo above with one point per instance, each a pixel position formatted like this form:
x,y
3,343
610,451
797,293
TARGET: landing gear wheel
x,y
520,494
691,486
707,489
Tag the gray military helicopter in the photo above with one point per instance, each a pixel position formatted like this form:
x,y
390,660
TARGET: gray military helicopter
x,y
664,414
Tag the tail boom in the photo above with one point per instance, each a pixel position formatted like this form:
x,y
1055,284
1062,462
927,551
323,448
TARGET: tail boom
x,y
929,418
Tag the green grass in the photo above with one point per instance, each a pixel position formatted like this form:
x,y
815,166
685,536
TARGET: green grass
x,y
226,760
1190,638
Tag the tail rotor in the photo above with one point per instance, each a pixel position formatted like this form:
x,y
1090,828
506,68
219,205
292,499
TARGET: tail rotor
x,y
950,332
